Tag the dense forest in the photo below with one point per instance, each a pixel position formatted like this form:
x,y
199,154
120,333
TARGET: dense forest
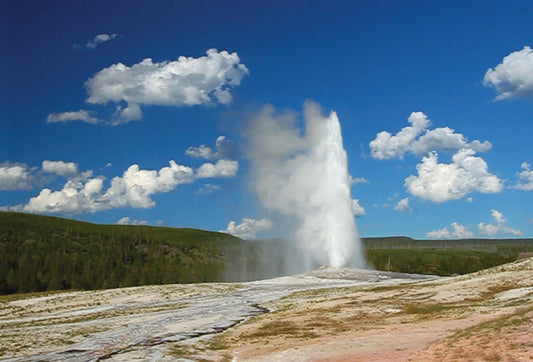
x,y
442,257
41,253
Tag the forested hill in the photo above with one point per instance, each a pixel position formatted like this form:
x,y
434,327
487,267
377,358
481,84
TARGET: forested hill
x,y
39,253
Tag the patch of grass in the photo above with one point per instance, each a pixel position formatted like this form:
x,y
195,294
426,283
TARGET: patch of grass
x,y
22,296
287,329
388,288
179,350
519,317
500,288
327,324
217,343
426,308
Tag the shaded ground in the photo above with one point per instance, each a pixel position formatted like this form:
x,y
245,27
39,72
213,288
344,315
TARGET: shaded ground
x,y
327,315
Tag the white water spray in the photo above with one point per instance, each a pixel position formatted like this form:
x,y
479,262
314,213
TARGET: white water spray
x,y
305,178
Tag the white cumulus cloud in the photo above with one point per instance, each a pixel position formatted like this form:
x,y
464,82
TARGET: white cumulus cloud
x,y
403,205
441,182
81,115
461,232
443,233
458,232
100,38
83,192
388,146
222,168
61,168
248,228
187,81
526,178
513,77
224,149
15,176
201,151
127,221
357,209
134,189
499,226
358,180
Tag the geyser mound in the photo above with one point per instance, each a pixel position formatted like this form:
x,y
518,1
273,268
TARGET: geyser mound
x,y
303,177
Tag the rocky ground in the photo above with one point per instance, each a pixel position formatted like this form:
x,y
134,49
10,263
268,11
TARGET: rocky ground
x,y
326,315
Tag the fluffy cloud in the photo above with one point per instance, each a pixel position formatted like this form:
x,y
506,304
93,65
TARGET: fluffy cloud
x,y
441,182
403,205
248,228
498,227
81,115
458,231
100,38
201,151
513,77
134,188
222,168
184,82
75,197
127,221
14,176
461,232
224,149
443,233
445,139
526,178
61,168
388,146
84,193
357,209
358,180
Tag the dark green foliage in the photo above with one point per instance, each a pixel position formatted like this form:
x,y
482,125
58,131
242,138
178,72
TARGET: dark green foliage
x,y
39,253
492,245
442,257
442,262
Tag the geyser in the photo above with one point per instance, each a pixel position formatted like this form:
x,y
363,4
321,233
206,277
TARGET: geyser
x,y
303,177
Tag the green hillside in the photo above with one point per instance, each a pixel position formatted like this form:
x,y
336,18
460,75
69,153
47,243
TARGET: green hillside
x,y
442,257
41,253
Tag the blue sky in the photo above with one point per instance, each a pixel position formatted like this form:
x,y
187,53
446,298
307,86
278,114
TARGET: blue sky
x,y
89,126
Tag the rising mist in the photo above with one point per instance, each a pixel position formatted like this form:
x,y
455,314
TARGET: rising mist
x,y
303,178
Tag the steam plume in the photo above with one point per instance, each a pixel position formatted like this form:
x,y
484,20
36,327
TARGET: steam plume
x,y
304,178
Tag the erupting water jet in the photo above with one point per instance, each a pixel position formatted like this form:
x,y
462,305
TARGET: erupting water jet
x,y
305,178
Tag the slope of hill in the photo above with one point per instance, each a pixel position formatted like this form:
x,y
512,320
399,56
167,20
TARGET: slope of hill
x,y
42,253
39,253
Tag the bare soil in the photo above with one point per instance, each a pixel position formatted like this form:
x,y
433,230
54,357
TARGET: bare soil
x,y
485,316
